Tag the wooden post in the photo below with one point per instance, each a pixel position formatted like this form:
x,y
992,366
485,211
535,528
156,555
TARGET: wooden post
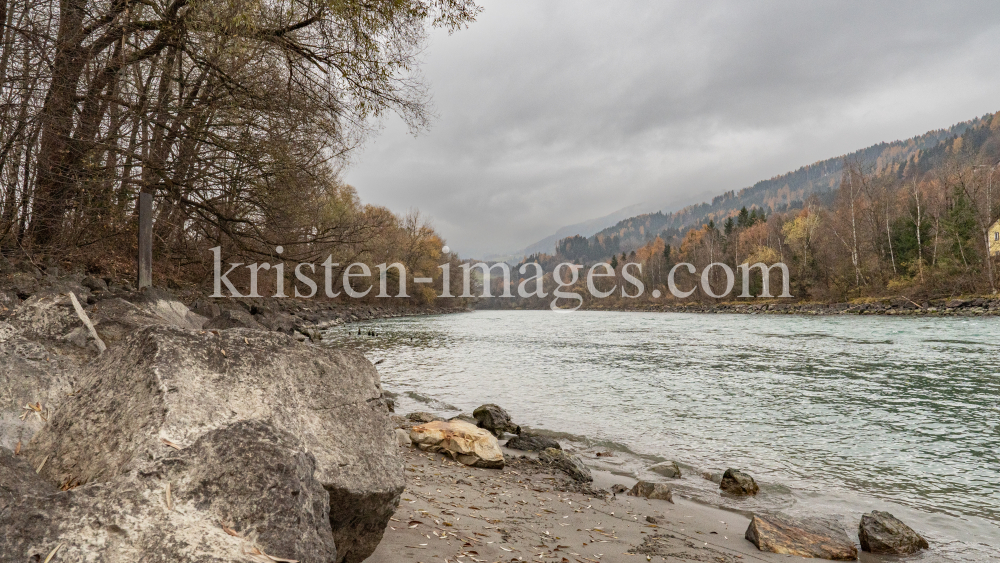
x,y
145,240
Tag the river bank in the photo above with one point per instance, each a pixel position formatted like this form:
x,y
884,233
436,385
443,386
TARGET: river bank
x,y
527,512
967,306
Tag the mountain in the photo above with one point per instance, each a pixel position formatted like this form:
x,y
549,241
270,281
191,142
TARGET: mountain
x,y
779,193
585,229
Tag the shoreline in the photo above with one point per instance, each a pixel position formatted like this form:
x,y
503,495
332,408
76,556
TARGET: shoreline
x,y
526,511
895,306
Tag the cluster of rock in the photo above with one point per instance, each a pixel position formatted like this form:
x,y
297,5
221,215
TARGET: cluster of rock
x,y
184,443
878,532
474,440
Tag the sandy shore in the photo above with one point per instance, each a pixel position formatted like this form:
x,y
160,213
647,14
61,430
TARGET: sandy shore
x,y
527,512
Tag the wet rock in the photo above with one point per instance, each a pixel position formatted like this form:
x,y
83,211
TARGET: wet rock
x,y
466,418
495,419
232,318
736,482
567,463
532,443
667,469
883,533
464,442
618,488
652,520
422,417
255,480
651,490
164,383
805,538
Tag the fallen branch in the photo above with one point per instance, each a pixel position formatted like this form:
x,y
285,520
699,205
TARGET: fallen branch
x,y
86,321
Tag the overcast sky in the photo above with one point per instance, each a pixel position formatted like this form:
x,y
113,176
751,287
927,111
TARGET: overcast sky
x,y
554,112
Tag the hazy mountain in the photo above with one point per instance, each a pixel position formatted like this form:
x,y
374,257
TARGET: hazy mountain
x,y
778,193
585,229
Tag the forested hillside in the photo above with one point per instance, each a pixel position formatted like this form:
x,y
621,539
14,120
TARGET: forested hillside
x,y
907,218
780,192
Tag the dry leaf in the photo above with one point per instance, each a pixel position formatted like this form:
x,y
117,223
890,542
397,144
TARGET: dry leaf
x,y
17,450
41,465
231,532
223,352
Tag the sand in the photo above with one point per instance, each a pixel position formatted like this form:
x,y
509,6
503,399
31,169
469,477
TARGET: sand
x,y
525,512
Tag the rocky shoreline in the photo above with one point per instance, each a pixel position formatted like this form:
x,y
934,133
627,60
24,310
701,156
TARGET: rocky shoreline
x,y
544,502
970,306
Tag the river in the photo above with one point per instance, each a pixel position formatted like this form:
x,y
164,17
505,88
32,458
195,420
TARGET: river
x,y
834,416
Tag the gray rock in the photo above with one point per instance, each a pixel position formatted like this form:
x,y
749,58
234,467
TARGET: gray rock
x,y
651,490
232,318
618,488
422,417
567,463
465,418
94,284
281,322
45,316
810,538
495,419
206,308
8,301
174,384
30,373
736,482
403,438
667,469
531,443
255,480
883,533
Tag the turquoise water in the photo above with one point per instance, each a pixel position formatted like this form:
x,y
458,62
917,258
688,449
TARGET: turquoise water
x,y
834,416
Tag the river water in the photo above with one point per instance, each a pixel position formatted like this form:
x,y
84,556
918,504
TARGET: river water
x,y
834,416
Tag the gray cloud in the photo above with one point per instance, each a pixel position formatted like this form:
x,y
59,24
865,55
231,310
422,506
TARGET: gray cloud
x,y
550,113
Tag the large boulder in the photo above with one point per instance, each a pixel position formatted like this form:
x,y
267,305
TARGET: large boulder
x,y
242,492
532,443
567,463
496,420
164,384
33,381
736,482
648,489
883,533
804,538
667,469
464,442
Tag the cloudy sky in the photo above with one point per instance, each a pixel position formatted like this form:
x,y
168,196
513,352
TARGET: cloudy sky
x,y
555,112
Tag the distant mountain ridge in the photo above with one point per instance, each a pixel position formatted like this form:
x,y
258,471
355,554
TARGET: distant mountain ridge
x,y
585,229
779,192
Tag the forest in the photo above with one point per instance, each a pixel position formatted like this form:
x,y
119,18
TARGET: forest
x,y
917,228
238,117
